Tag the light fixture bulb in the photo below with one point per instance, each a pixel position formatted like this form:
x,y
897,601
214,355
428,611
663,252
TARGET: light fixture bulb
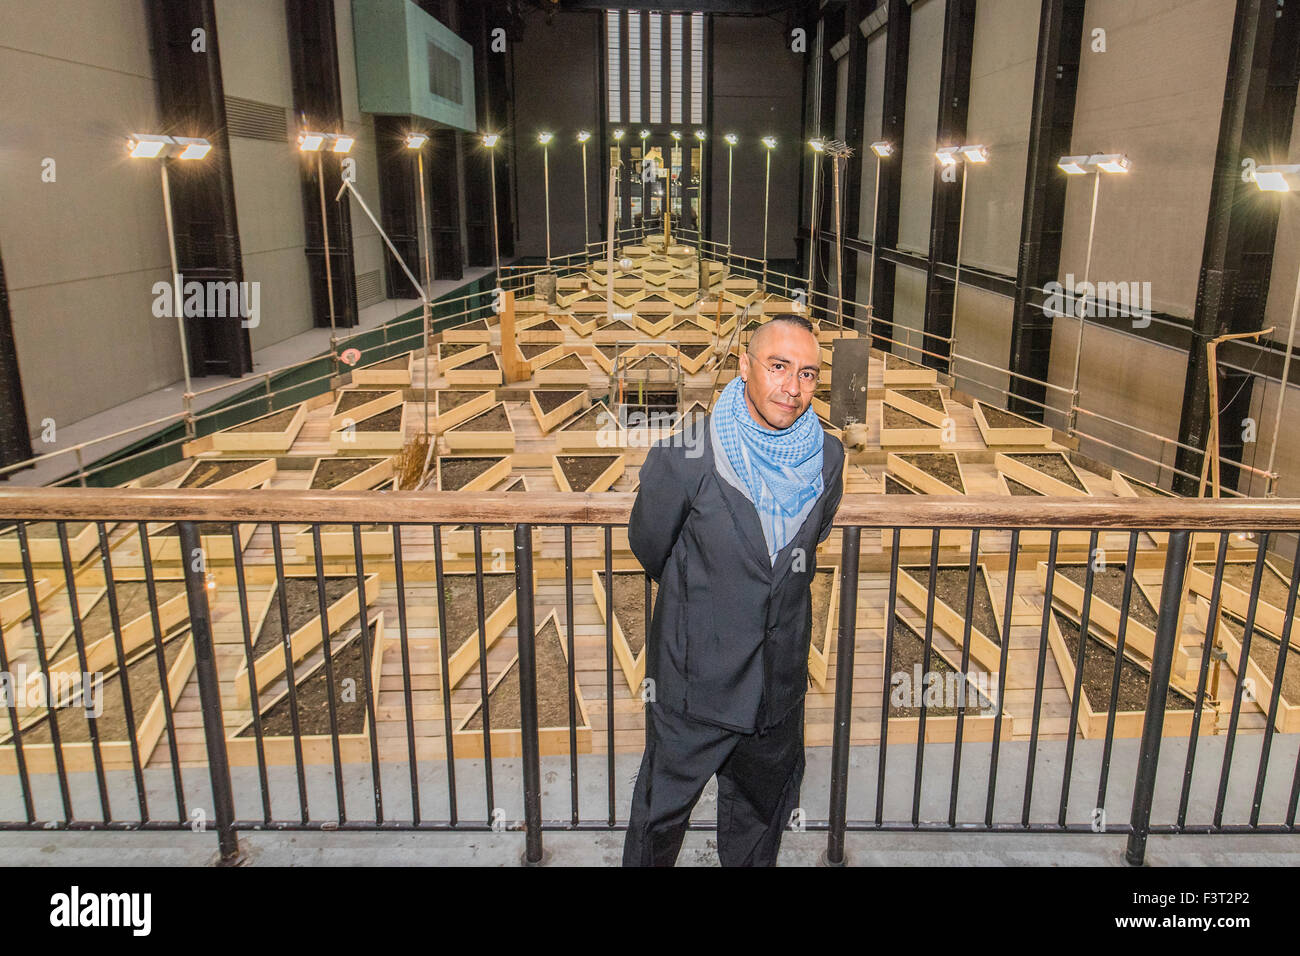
x,y
769,142
618,134
1073,165
310,142
818,144
1111,162
948,155
416,140
1278,179
343,143
732,139
583,136
699,134
491,139
883,149
976,154
545,138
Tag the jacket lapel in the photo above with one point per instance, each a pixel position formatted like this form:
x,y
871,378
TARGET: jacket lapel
x,y
743,512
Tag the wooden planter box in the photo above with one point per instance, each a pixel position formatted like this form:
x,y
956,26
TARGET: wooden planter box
x,y
1104,616
376,472
689,329
316,748
822,645
692,364
985,649
728,369
356,439
584,323
43,547
602,482
609,432
1229,631
101,651
256,472
150,723
632,664
541,331
466,437
655,325
1036,538
629,297
542,354
462,412
621,329
1237,600
1027,474
922,480
603,358
466,376
476,331
507,741
454,354
907,400
270,666
391,371
901,473
489,477
461,659
1026,434
376,402
551,375
978,724
1128,723
922,435
216,544
248,439
906,373
561,412
14,603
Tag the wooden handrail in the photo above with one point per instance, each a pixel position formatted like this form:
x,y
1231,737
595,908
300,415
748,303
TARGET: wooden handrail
x,y
552,508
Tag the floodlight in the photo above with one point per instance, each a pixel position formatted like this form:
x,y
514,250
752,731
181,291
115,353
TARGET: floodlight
x,y
343,143
883,148
618,134
818,144
769,142
191,147
677,135
975,154
311,142
1278,179
583,136
545,138
147,145
1073,165
948,155
699,134
731,139
491,139
416,140
1111,162
644,134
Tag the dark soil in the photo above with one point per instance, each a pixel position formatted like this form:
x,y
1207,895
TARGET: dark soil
x,y
572,360
1145,490
1099,673
485,363
531,351
751,325
823,393
477,326
448,349
587,421
300,596
950,587
132,602
274,423
822,582
651,363
460,596
1273,588
896,418
730,362
546,325
929,397
356,397
11,587
400,362
1016,488
447,400
909,650
693,350
997,418
209,472
312,692
897,362
618,325
1263,651
550,399
1054,465
1108,586
456,472
141,677
334,471
552,672
389,421
582,470
895,487
494,419
941,465
629,605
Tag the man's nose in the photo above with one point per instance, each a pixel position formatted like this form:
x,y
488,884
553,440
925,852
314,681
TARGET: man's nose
x,y
791,386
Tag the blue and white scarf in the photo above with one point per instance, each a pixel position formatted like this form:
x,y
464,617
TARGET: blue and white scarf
x,y
779,471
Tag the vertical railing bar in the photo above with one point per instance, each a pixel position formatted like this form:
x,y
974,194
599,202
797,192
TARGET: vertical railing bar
x,y
483,669
572,675
160,658
1279,671
323,605
1247,633
1211,631
79,638
290,677
11,706
842,740
205,667
444,667
1008,607
925,670
128,711
367,651
1168,624
1052,542
38,632
1125,603
961,680
528,726
1085,614
891,606
609,665
254,698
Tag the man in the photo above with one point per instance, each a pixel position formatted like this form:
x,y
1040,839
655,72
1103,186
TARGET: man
x,y
730,532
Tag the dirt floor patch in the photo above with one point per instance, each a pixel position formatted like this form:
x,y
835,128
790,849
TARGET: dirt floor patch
x,y
570,361
495,419
273,424
313,693
1099,673
1108,586
301,598
581,471
629,605
531,351
389,421
593,419
1054,465
206,473
460,597
909,653
479,325
895,487
455,473
548,400
546,325
693,350
998,418
448,349
1021,490
940,465
1273,588
485,363
449,399
355,398
552,672
897,418
929,397
1264,648
1144,490
332,472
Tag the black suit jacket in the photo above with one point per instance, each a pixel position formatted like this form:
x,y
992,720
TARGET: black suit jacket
x,y
728,642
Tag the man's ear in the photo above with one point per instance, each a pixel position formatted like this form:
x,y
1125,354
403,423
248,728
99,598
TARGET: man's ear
x,y
744,366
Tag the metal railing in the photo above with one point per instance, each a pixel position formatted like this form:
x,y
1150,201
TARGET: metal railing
x,y
1145,725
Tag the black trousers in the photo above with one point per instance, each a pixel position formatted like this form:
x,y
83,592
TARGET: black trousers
x,y
758,788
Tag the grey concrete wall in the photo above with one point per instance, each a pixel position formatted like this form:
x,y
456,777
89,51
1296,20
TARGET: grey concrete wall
x,y
871,132
924,61
368,249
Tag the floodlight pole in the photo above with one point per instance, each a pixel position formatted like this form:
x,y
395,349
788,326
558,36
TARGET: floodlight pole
x,y
1087,268
176,290
428,285
812,234
731,149
586,234
839,243
767,190
956,279
871,272
329,272
1281,397
546,174
496,247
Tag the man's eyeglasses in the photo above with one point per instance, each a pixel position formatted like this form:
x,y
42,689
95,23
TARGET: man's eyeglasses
x,y
806,377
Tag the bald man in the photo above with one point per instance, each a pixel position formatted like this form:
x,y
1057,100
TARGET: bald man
x,y
729,526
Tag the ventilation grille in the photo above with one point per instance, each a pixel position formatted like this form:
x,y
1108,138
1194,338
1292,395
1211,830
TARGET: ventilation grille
x,y
370,288
444,74
253,120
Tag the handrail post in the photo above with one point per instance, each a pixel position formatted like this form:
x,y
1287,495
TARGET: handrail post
x,y
841,741
533,853
1158,689
205,666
